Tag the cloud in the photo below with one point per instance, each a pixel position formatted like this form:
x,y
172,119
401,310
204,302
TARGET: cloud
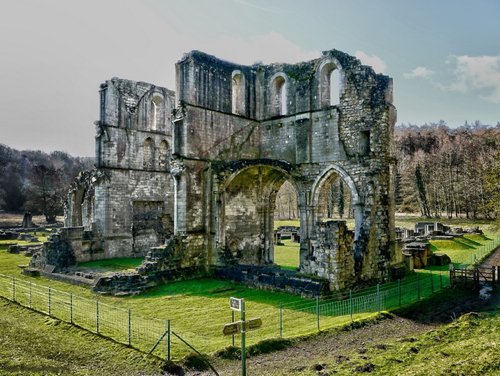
x,y
479,74
272,47
372,60
418,72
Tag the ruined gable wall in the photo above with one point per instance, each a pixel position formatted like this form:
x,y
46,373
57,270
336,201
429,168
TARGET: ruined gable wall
x,y
134,204
312,135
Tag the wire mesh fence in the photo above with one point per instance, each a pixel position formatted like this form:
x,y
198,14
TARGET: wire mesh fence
x,y
201,328
477,255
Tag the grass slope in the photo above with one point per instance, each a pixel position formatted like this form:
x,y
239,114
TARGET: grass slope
x,y
34,344
468,346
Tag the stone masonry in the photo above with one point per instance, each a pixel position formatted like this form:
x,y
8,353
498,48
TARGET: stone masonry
x,y
203,165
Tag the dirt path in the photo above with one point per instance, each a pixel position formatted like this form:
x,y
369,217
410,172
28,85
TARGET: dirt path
x,y
327,347
493,260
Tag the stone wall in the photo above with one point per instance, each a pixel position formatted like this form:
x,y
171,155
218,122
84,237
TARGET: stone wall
x,y
332,256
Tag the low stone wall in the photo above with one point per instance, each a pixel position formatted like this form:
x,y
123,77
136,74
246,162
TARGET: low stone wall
x,y
332,255
275,279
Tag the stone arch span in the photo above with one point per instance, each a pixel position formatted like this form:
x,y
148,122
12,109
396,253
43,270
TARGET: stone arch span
x,y
332,249
246,206
357,201
325,175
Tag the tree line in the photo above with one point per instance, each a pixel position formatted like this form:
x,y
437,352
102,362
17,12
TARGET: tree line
x,y
37,182
448,172
441,172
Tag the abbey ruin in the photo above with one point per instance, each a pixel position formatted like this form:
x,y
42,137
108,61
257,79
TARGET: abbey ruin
x,y
200,168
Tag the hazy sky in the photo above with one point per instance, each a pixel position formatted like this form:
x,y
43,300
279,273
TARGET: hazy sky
x,y
444,55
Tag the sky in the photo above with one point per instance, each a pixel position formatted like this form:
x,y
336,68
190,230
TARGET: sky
x,y
444,56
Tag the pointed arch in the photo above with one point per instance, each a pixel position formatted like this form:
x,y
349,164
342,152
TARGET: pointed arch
x,y
325,174
157,111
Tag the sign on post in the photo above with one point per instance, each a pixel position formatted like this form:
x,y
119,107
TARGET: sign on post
x,y
235,327
235,304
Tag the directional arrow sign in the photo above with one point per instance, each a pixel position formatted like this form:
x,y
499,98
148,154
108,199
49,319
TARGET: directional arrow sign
x,y
235,327
232,328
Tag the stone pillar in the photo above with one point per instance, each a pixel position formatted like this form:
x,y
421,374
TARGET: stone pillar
x,y
269,231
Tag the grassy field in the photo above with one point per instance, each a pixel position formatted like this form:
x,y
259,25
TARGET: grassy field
x,y
33,344
198,309
118,264
409,221
287,255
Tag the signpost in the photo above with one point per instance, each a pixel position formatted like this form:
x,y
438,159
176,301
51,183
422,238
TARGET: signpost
x,y
242,327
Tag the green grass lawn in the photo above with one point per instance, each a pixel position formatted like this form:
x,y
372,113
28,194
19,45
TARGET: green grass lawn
x,y
34,344
198,309
117,264
42,237
287,255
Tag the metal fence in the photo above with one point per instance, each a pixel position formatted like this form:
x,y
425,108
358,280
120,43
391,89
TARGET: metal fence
x,y
478,255
98,317
202,328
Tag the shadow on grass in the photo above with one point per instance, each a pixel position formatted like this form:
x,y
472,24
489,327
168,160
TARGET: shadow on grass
x,y
447,305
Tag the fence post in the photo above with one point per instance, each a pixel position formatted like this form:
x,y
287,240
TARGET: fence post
x,y
13,289
129,327
399,292
451,268
49,302
30,296
281,320
432,282
317,311
378,296
168,340
97,316
71,307
418,286
350,303
232,320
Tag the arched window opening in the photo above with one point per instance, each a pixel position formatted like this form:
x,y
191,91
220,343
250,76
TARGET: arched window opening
x,y
279,96
238,93
329,85
334,87
164,154
157,112
335,201
148,153
286,203
251,194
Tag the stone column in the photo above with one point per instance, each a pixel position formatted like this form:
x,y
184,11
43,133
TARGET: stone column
x,y
268,214
307,229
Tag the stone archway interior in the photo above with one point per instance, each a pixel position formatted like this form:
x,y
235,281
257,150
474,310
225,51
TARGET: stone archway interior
x,y
249,206
335,201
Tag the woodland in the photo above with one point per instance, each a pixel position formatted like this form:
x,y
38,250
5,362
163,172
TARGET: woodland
x,y
442,172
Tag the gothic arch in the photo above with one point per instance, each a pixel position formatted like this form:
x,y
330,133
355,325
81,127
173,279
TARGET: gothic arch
x,y
325,174
246,210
